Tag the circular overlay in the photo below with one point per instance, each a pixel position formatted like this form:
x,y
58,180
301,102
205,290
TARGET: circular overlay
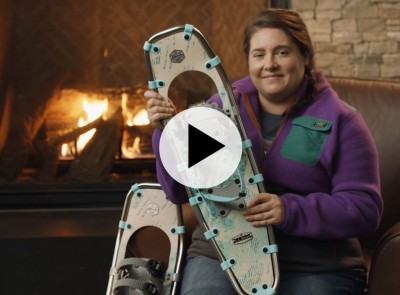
x,y
200,147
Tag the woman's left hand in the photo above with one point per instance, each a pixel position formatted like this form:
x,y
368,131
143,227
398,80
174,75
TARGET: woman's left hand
x,y
265,209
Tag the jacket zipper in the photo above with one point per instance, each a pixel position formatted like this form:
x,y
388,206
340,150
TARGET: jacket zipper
x,y
268,151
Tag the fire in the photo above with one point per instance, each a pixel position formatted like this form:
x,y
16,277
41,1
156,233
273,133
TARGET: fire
x,y
133,150
140,119
93,109
65,150
136,124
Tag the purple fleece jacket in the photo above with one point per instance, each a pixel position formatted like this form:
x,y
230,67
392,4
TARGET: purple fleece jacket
x,y
323,165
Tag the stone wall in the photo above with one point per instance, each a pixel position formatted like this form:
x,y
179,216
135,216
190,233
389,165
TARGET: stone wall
x,y
354,38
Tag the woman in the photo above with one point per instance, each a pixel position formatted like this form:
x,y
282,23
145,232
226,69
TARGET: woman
x,y
318,160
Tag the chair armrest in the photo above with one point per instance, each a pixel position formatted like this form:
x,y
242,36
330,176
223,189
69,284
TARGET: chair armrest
x,y
385,267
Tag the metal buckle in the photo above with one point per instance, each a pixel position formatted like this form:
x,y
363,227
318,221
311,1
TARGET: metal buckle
x,y
155,268
123,273
149,288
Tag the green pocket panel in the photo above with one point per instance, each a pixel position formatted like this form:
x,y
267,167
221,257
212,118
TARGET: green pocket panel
x,y
306,139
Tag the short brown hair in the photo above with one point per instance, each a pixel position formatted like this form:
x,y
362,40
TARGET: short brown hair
x,y
292,24
288,21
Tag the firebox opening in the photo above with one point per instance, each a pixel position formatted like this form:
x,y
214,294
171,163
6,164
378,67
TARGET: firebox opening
x,y
93,136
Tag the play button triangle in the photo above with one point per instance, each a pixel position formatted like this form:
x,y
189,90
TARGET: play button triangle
x,y
201,145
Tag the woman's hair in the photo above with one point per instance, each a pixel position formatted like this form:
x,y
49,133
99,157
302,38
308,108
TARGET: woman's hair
x,y
293,25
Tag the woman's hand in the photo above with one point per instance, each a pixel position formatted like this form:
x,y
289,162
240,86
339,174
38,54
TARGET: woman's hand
x,y
265,209
158,109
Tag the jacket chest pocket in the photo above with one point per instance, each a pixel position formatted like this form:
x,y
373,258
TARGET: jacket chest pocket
x,y
306,139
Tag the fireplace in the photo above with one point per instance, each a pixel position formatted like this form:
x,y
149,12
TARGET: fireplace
x,y
94,130
60,203
58,58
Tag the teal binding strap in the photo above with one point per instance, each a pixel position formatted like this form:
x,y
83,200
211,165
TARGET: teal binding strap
x,y
196,200
225,199
178,230
136,190
263,289
135,187
156,84
124,225
211,233
228,112
227,107
151,47
246,144
187,32
220,199
228,263
213,63
256,179
270,249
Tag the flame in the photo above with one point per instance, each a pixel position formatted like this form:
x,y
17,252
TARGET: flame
x,y
93,109
133,151
65,152
140,119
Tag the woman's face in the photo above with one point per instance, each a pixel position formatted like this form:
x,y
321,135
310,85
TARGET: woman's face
x,y
276,66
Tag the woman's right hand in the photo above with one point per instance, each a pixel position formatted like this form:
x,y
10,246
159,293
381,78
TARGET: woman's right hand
x,y
158,109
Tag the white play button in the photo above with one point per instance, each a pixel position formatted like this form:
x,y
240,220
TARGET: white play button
x,y
207,144
200,147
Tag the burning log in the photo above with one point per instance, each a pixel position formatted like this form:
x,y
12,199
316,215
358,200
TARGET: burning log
x,y
96,159
50,150
74,134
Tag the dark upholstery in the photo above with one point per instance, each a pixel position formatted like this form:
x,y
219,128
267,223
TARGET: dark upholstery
x,y
379,103
385,268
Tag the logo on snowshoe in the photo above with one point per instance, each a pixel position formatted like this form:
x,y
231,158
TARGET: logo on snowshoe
x,y
242,238
177,56
152,209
